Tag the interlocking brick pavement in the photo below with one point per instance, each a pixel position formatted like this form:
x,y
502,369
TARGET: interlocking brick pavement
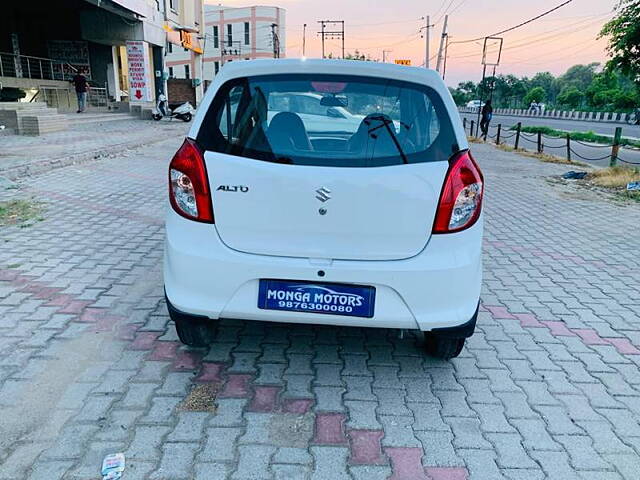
x,y
90,364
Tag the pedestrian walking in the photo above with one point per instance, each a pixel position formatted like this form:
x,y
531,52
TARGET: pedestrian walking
x,y
82,87
487,113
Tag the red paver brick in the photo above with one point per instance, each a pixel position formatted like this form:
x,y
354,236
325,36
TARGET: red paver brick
x,y
406,463
75,306
237,386
265,399
45,293
365,447
589,336
499,312
186,360
144,341
105,323
164,351
624,346
92,315
528,320
299,406
210,373
23,279
8,275
128,332
330,429
59,300
558,329
447,473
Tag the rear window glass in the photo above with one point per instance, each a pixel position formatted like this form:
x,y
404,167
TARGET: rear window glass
x,y
328,120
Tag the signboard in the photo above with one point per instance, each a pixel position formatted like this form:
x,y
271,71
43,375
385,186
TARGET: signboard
x,y
139,75
73,55
403,62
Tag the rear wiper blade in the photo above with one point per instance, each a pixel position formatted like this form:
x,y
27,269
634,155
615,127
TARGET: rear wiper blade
x,y
386,121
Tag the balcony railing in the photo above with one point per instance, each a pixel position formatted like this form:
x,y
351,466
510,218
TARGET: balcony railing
x,y
23,66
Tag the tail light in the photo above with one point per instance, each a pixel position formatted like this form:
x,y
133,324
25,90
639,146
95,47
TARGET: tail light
x,y
188,184
461,198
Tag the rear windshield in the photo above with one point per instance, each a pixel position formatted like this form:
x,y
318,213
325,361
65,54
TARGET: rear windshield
x,y
328,120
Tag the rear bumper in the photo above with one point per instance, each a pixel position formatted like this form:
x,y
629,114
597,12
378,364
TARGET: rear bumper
x,y
437,289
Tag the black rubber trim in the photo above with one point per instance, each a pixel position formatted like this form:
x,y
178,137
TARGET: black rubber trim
x,y
180,315
459,331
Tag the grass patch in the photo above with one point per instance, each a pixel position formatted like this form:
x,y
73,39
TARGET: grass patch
x,y
579,136
615,177
543,157
20,212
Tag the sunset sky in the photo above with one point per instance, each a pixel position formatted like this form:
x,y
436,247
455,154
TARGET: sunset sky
x,y
553,43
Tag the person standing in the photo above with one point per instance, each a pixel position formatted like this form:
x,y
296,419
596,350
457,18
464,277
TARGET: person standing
x,y
82,87
487,113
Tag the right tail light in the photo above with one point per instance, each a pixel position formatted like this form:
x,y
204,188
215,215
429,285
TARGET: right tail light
x,y
461,198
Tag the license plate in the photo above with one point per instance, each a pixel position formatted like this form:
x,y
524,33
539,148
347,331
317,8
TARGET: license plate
x,y
312,297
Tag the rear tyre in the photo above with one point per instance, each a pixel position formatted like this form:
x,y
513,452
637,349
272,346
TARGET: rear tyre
x,y
156,117
186,117
443,347
194,333
192,330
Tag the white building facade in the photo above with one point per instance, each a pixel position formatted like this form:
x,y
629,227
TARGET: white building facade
x,y
232,34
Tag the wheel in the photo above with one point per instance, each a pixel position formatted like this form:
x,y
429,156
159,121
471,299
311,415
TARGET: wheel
x,y
186,117
443,347
195,333
156,116
192,330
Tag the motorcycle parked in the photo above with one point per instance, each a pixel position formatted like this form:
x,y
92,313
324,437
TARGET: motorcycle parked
x,y
184,112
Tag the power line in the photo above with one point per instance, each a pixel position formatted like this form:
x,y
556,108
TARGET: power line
x,y
519,25
445,11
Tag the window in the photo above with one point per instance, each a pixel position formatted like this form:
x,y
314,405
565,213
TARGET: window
x,y
170,72
230,35
187,73
216,67
174,5
246,33
328,120
216,40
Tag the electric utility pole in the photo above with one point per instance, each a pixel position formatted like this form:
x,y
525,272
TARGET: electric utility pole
x,y
442,41
331,34
427,37
304,38
275,40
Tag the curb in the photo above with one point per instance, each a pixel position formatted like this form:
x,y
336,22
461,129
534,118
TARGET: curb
x,y
44,166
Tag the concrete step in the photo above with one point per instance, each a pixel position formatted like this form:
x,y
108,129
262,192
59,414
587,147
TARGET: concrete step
x,y
39,124
22,105
82,118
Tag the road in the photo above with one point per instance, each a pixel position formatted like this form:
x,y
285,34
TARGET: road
x,y
569,125
547,388
589,153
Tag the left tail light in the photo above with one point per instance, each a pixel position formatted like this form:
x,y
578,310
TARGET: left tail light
x,y
189,191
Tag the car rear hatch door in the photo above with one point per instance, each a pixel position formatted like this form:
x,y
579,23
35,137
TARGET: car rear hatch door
x,y
381,213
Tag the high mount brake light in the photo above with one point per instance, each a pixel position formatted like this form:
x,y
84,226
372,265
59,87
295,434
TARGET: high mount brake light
x,y
461,198
188,184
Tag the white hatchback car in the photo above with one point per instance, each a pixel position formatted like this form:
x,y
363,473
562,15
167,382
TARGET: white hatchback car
x,y
374,225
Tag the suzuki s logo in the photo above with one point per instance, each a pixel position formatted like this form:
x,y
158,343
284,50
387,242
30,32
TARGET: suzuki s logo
x,y
233,188
323,194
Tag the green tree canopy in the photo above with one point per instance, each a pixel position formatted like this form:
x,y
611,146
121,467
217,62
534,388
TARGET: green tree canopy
x,y
536,94
570,96
623,33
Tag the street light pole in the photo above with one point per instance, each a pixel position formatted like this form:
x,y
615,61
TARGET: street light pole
x,y
304,39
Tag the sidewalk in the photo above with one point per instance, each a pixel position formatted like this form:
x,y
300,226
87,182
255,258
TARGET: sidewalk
x,y
21,156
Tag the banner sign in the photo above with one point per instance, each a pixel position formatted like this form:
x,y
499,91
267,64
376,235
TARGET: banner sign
x,y
139,74
403,62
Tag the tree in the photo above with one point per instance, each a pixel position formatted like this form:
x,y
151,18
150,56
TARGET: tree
x,y
464,93
623,33
536,94
579,76
358,56
571,97
547,82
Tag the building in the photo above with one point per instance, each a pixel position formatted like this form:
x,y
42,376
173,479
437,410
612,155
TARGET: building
x,y
119,45
233,34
